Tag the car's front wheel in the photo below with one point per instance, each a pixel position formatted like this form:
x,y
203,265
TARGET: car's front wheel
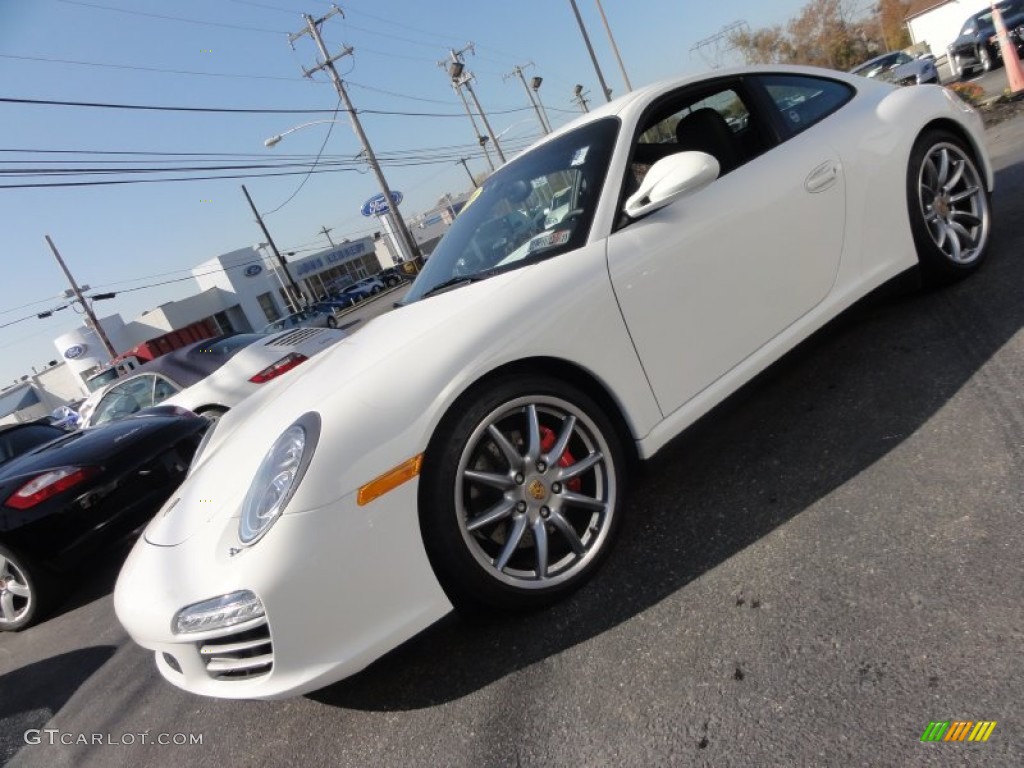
x,y
19,591
948,205
985,59
332,322
521,494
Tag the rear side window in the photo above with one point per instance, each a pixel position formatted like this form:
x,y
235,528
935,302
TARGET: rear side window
x,y
803,101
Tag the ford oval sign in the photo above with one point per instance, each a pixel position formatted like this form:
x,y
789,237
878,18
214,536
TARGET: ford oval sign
x,y
74,352
378,206
252,270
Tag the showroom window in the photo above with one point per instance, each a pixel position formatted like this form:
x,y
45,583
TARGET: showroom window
x,y
269,307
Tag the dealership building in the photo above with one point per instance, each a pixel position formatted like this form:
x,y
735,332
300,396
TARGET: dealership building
x,y
237,292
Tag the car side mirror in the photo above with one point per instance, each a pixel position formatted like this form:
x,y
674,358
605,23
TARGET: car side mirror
x,y
671,178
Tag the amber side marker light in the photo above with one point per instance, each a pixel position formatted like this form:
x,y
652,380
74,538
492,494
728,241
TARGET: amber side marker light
x,y
390,480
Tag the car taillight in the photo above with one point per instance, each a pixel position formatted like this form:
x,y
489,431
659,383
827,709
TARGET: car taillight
x,y
283,365
49,484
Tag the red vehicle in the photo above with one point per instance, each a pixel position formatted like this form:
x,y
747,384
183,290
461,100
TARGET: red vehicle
x,y
148,350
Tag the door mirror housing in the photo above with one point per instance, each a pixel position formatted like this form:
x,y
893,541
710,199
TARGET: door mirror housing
x,y
671,178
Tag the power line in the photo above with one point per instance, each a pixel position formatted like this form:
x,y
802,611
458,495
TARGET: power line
x,y
298,189
77,62
234,110
172,18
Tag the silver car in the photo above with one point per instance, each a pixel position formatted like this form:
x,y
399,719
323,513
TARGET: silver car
x,y
900,68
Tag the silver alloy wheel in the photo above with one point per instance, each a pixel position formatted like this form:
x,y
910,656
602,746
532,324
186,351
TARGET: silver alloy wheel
x,y
985,59
954,203
16,597
535,492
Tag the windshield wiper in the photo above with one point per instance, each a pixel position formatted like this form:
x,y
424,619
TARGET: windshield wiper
x,y
453,282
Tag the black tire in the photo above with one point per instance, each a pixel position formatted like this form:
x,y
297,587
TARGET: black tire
x,y
23,591
566,520
332,322
948,206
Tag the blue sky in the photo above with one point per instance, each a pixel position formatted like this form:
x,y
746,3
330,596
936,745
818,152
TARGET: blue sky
x,y
132,236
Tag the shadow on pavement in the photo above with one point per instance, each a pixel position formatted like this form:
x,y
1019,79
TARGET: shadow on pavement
x,y
823,414
31,695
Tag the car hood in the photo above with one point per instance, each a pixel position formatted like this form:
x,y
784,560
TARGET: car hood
x,y
342,384
353,356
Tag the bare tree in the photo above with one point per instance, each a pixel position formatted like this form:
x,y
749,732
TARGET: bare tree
x,y
826,33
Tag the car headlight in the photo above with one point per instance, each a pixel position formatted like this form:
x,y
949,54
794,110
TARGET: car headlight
x,y
218,613
278,476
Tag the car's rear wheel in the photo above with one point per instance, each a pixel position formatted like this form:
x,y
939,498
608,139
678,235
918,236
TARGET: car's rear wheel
x,y
521,494
332,322
948,206
19,591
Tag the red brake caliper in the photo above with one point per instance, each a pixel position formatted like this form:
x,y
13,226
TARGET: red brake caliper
x,y
547,442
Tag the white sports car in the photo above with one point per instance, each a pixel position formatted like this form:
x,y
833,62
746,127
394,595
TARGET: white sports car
x,y
208,377
471,447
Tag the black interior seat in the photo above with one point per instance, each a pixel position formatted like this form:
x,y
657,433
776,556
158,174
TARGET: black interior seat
x,y
705,130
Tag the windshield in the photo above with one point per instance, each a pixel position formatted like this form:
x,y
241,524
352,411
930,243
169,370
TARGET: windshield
x,y
22,439
539,205
101,379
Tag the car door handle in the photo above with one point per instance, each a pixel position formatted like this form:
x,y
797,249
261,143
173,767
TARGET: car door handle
x,y
822,177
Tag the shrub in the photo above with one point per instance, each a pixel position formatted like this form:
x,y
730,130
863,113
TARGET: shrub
x,y
972,93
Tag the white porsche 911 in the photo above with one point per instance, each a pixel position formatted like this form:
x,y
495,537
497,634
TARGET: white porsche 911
x,y
470,448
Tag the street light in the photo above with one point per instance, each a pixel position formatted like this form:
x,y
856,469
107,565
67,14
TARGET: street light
x,y
273,140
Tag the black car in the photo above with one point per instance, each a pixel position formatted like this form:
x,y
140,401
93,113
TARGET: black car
x,y
62,495
977,46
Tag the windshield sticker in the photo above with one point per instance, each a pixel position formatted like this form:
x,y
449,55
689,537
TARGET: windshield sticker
x,y
549,240
579,157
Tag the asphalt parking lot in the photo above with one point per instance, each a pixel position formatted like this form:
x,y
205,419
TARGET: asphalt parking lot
x,y
810,576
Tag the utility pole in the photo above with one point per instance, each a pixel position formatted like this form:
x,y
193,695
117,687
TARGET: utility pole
x,y
518,70
93,322
590,48
481,139
580,97
326,233
313,30
535,85
297,296
461,79
468,172
615,48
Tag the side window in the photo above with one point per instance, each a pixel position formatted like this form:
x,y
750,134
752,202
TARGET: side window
x,y
717,121
803,101
162,389
119,402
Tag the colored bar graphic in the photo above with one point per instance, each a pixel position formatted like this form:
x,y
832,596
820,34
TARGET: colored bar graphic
x,y
958,730
982,731
935,731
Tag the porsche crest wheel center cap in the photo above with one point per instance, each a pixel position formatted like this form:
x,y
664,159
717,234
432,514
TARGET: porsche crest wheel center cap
x,y
942,207
537,490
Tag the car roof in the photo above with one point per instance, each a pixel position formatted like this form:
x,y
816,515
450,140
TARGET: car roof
x,y
187,365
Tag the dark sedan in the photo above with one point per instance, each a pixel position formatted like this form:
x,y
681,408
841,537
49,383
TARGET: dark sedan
x,y
976,47
62,495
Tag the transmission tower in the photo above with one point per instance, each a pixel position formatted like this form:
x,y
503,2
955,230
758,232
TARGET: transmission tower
x,y
715,48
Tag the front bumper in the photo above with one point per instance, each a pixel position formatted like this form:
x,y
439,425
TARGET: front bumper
x,y
341,586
